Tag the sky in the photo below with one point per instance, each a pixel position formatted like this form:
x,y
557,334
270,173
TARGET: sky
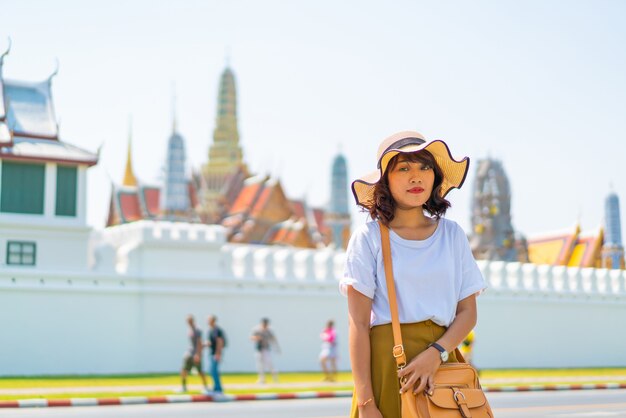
x,y
538,85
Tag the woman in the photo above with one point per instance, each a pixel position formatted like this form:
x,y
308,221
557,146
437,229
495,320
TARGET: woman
x,y
328,355
435,274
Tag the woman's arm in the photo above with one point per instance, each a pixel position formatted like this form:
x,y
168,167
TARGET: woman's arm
x,y
424,365
359,313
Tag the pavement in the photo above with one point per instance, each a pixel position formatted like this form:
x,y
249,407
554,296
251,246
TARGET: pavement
x,y
488,386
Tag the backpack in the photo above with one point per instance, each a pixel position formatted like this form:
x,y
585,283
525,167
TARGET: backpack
x,y
219,332
224,338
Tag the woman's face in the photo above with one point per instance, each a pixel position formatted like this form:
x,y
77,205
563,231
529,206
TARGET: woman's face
x,y
410,183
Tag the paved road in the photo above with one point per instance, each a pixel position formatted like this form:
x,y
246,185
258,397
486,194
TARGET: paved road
x,y
570,404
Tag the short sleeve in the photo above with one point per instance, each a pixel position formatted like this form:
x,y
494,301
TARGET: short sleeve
x,y
360,267
472,280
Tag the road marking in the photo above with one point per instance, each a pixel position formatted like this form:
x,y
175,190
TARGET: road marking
x,y
590,414
563,407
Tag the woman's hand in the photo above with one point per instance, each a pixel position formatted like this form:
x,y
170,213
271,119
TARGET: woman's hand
x,y
422,368
369,411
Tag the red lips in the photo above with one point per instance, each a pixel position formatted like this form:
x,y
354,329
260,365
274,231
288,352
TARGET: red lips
x,y
416,190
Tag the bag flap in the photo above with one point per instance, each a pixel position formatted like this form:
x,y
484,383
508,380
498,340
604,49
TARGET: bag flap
x,y
444,397
456,374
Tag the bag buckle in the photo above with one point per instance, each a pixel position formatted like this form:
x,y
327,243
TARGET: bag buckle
x,y
463,407
398,351
456,395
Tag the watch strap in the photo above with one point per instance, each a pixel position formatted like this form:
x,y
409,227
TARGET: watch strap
x,y
438,347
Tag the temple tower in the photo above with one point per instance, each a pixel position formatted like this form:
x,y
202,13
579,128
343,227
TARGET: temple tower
x,y
493,235
338,216
225,154
129,175
175,196
612,250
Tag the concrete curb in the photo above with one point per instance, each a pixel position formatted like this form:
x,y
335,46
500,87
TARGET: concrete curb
x,y
138,400
542,388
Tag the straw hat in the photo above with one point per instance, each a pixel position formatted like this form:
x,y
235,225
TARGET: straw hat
x,y
454,172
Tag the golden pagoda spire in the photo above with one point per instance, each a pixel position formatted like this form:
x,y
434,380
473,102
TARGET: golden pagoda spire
x,y
129,176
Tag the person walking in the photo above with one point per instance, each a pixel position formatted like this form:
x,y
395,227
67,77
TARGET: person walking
x,y
264,340
193,356
328,354
436,276
217,342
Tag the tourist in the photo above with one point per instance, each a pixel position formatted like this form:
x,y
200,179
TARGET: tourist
x,y
436,276
328,355
193,355
217,342
264,340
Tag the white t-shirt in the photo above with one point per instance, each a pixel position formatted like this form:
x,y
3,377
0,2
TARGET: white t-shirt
x,y
431,275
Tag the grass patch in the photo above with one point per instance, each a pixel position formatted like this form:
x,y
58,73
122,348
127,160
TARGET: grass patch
x,y
16,382
163,384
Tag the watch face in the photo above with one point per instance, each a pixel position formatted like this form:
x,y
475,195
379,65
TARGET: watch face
x,y
444,356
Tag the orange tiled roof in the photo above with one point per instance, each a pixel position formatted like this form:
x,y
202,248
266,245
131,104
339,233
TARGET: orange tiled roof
x,y
129,206
151,198
298,208
245,198
318,215
262,200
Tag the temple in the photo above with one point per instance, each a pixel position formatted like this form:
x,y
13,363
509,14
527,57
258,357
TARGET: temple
x,y
613,250
599,248
253,208
43,179
493,236
337,217
133,200
225,168
40,172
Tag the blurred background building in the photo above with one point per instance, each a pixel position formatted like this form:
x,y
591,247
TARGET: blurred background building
x,y
253,208
493,236
612,250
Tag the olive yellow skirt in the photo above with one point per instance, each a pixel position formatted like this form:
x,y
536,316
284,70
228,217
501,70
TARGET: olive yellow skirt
x,y
416,337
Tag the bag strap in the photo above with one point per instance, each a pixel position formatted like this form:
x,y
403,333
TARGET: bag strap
x,y
398,348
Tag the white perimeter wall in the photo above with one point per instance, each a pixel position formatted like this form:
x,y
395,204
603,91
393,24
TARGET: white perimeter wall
x,y
100,321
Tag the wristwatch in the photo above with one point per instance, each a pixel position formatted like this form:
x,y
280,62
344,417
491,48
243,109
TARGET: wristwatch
x,y
443,354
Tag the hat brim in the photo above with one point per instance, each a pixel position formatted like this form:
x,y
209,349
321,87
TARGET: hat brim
x,y
454,172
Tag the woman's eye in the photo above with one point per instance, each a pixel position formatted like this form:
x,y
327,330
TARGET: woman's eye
x,y
403,168
426,167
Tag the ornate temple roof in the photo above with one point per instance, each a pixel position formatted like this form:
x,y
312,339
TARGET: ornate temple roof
x,y
30,110
569,247
30,149
588,248
134,203
28,127
290,232
553,248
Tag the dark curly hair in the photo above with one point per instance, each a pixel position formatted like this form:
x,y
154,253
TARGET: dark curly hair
x,y
385,206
